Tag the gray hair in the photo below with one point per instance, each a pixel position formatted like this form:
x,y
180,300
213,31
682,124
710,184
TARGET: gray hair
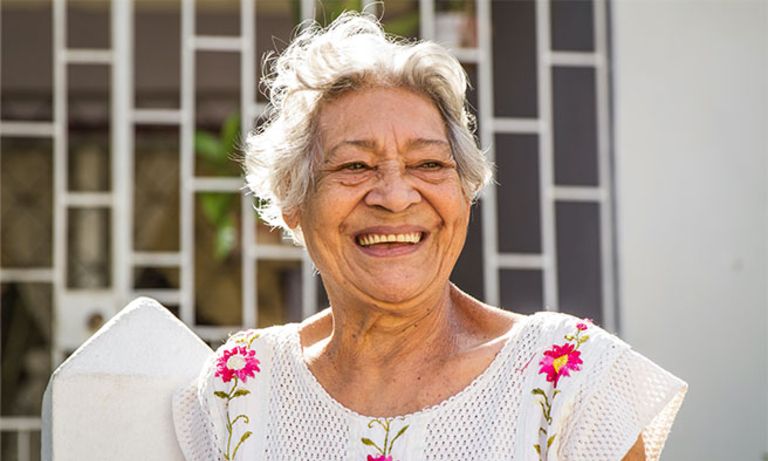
x,y
282,156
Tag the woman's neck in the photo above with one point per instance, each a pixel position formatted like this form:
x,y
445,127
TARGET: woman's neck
x,y
381,337
378,360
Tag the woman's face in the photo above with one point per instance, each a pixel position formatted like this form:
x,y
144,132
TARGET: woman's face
x,y
388,217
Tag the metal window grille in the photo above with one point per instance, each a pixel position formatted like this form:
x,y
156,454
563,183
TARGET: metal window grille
x,y
530,147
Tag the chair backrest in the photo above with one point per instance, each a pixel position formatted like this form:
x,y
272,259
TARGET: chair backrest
x,y
111,400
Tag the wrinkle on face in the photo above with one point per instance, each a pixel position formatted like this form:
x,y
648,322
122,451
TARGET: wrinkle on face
x,y
388,163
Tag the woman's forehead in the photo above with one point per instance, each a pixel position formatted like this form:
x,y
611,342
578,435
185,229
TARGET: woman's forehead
x,y
372,114
410,145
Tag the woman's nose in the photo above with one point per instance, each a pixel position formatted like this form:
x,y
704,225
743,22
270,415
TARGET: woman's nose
x,y
392,191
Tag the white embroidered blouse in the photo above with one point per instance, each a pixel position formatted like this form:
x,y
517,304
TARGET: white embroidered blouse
x,y
561,389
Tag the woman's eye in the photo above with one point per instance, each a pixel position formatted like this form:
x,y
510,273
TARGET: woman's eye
x,y
354,166
431,165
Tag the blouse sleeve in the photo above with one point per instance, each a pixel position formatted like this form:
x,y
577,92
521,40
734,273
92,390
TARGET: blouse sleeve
x,y
192,424
211,414
635,396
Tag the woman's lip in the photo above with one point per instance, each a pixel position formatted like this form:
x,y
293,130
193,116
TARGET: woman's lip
x,y
386,230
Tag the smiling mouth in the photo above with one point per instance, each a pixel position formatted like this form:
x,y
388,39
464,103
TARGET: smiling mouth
x,y
368,240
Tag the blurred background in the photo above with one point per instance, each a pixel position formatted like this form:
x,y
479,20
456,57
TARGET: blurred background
x,y
629,138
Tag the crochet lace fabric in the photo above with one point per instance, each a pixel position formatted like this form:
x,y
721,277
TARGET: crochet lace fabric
x,y
267,405
300,424
633,393
193,429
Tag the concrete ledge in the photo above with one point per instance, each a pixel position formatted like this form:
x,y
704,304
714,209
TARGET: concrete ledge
x,y
112,398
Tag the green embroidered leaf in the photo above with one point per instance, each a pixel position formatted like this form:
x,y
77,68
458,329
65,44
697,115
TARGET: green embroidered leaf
x,y
540,392
538,448
399,433
243,438
221,395
554,394
243,417
543,408
241,392
377,421
569,337
371,443
583,339
550,440
543,431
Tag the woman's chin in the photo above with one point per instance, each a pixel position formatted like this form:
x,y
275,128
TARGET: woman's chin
x,y
396,292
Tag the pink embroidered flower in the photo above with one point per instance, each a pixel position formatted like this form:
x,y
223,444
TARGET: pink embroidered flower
x,y
584,324
237,362
559,361
379,458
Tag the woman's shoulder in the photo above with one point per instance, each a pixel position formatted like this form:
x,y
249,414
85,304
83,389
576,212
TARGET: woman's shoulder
x,y
597,394
245,359
234,381
560,326
258,337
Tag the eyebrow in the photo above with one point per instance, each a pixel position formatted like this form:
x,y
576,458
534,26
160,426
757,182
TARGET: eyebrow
x,y
370,145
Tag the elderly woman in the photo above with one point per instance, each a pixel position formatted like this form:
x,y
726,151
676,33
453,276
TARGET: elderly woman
x,y
368,159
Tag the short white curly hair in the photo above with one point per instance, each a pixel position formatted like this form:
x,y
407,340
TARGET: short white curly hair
x,y
282,156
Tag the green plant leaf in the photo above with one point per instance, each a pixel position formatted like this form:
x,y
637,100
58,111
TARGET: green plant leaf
x,y
226,240
538,448
230,133
221,395
208,147
216,207
406,25
331,9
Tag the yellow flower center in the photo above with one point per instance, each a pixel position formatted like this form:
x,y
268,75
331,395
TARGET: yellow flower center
x,y
560,362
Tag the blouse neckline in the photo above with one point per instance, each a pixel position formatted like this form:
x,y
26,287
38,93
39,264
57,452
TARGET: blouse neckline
x,y
479,382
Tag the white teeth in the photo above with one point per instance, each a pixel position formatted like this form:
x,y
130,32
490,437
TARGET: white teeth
x,y
373,239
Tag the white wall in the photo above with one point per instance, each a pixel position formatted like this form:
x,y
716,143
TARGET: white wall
x,y
691,146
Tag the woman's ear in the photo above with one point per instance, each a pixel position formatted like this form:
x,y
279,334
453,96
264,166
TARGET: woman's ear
x,y
292,219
